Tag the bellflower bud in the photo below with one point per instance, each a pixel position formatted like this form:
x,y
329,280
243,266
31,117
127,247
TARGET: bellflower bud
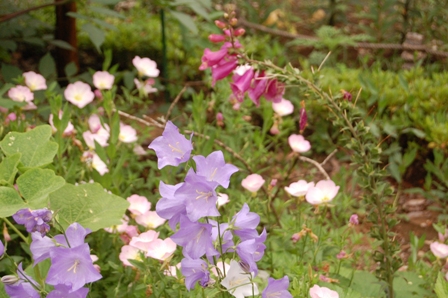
x,y
346,95
10,279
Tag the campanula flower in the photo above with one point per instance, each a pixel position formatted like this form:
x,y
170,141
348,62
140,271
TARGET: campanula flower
x,y
277,288
194,271
238,282
214,168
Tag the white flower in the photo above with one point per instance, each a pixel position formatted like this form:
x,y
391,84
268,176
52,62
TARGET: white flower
x,y
298,143
21,94
253,182
322,193
34,81
103,80
80,94
145,67
127,134
299,188
283,107
237,281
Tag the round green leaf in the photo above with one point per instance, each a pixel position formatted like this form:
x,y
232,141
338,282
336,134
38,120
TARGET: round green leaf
x,y
10,201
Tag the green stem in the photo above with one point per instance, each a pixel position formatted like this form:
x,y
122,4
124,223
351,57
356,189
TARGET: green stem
x,y
25,239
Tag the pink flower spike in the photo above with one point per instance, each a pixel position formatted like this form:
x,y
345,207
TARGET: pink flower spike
x,y
253,182
322,193
242,80
274,91
161,249
283,108
139,204
80,94
298,143
322,292
103,80
211,58
34,81
258,89
145,67
21,94
222,70
150,220
217,38
440,250
127,134
299,188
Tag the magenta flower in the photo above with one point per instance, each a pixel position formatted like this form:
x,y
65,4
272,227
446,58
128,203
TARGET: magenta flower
x,y
223,69
303,119
72,267
34,81
274,91
195,238
277,288
210,58
298,143
194,271
323,192
354,220
80,94
242,80
258,88
103,80
171,148
214,168
145,67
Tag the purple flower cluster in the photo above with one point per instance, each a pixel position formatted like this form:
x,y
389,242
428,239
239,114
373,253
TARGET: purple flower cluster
x,y
188,207
34,220
71,264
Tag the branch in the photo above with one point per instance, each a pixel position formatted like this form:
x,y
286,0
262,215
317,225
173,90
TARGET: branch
x,y
10,16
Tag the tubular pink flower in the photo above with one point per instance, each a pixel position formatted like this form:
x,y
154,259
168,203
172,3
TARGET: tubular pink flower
x,y
21,94
260,84
223,69
217,38
34,81
323,192
103,80
241,82
80,94
274,91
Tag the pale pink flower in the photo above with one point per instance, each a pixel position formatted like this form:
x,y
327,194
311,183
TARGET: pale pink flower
x,y
222,199
150,220
283,108
142,241
127,134
80,94
103,80
70,129
21,94
161,249
172,271
97,132
323,192
253,182
440,250
146,87
119,228
138,150
139,204
299,188
129,252
145,67
99,165
298,143
34,81
322,292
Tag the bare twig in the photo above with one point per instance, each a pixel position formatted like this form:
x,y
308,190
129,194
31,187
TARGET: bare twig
x,y
329,157
152,123
176,100
316,164
7,17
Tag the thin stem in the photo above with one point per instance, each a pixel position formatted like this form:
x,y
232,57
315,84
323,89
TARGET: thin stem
x,y
176,100
316,164
10,224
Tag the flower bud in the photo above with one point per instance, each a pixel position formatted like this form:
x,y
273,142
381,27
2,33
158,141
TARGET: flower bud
x,y
233,21
219,24
98,94
9,280
244,266
274,129
216,37
346,95
341,255
239,32
354,220
273,182
6,233
220,119
303,117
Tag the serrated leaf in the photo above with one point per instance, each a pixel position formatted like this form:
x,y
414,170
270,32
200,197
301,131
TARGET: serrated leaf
x,y
10,201
185,20
8,169
47,66
36,185
89,205
96,35
35,146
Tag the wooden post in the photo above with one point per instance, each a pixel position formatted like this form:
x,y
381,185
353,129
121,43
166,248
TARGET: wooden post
x,y
66,31
412,38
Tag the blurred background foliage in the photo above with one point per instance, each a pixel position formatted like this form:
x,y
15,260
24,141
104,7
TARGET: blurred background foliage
x,y
407,109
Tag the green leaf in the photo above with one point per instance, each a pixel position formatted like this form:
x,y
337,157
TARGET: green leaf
x,y
441,286
36,184
10,72
47,66
107,11
8,169
35,145
10,201
96,35
185,20
199,10
89,205
62,44
70,69
10,104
